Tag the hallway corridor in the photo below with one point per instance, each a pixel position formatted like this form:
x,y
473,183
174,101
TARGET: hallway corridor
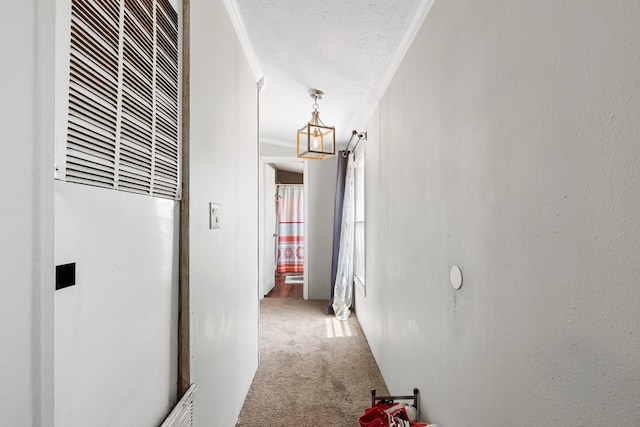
x,y
314,369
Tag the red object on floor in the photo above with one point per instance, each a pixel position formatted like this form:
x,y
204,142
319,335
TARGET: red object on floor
x,y
375,416
379,416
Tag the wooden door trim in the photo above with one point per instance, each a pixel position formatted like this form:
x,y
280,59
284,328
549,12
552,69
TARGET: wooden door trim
x,y
184,328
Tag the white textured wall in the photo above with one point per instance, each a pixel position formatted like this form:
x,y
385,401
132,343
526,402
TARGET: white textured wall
x,y
507,143
319,199
224,262
18,221
267,149
26,217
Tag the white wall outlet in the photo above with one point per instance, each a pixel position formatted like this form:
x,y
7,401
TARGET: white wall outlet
x,y
214,215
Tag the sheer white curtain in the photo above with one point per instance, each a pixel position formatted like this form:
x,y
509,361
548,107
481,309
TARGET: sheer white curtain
x,y
343,287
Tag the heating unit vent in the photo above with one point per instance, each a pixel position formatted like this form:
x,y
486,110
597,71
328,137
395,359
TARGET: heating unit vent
x,y
182,414
122,130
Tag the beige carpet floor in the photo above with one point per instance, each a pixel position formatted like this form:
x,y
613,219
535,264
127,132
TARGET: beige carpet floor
x,y
314,370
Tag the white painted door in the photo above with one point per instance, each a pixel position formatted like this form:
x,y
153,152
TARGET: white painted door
x,y
269,250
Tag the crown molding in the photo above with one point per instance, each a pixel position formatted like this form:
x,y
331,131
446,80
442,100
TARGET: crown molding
x,y
236,19
422,11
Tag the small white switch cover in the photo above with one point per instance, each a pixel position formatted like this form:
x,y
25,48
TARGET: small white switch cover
x,y
214,215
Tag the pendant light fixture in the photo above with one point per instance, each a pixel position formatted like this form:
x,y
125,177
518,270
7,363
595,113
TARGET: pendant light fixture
x,y
315,139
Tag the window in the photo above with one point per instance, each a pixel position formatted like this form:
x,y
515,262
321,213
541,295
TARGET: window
x,y
359,251
123,117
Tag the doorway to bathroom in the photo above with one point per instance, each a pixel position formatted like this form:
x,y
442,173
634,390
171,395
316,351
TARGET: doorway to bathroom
x,y
284,240
289,273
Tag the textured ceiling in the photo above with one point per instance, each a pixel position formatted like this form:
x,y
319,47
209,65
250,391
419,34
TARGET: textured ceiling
x,y
343,47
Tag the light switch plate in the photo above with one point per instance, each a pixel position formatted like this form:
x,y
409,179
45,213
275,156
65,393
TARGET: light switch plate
x,y
214,215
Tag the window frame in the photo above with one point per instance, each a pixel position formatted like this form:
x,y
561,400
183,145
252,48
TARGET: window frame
x,y
359,277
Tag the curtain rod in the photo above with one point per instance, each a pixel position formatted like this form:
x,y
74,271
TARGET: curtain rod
x,y
361,135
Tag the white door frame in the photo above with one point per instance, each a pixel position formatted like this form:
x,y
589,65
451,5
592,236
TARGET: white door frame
x,y
267,214
266,160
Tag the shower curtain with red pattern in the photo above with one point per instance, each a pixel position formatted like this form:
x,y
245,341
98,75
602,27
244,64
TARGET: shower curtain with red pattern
x,y
290,214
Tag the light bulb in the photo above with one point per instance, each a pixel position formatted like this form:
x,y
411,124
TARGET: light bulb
x,y
317,138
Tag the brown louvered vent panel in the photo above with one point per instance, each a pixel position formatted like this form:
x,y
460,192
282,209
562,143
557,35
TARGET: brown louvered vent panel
x,y
136,138
123,97
93,94
166,150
